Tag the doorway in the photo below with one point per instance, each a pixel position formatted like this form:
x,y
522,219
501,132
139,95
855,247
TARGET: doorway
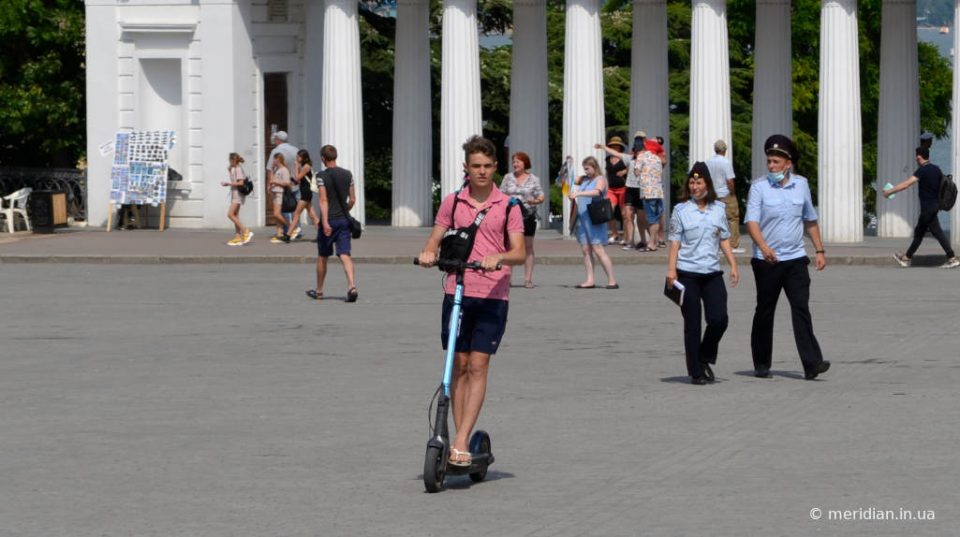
x,y
275,118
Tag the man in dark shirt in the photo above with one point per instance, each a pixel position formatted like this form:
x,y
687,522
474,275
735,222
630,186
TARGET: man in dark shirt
x,y
337,197
616,185
927,177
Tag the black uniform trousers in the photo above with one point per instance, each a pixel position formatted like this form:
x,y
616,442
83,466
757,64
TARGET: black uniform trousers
x,y
709,289
793,277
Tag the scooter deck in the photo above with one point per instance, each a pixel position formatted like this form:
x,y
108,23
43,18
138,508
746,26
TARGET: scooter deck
x,y
480,461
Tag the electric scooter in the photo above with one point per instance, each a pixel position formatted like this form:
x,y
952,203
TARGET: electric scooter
x,y
436,465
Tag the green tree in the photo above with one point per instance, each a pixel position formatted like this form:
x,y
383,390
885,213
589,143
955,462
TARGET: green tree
x,y
42,105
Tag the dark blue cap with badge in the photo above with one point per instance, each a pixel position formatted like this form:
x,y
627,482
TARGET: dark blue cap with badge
x,y
699,171
781,145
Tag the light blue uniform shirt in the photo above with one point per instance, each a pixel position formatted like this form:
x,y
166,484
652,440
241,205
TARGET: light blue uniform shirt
x,y
699,234
781,211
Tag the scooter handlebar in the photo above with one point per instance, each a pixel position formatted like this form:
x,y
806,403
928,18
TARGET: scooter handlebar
x,y
453,266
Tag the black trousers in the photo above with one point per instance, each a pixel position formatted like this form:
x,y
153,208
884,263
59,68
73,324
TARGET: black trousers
x,y
928,222
793,277
708,289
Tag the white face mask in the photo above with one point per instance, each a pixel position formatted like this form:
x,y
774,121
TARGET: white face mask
x,y
700,196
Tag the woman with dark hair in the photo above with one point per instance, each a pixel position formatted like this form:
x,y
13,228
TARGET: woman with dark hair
x,y
304,176
524,186
698,228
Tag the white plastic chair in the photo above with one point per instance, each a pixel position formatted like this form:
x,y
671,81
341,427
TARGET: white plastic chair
x,y
14,204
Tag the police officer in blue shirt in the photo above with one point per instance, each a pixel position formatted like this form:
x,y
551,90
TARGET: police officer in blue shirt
x,y
779,209
698,227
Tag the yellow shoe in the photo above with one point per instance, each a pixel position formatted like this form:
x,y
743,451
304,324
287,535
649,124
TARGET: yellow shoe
x,y
247,237
235,241
276,240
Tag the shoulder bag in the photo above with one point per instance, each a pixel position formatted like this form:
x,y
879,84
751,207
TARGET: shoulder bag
x,y
356,229
600,209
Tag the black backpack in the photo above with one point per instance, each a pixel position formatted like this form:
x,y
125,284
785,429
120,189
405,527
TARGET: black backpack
x,y
247,187
948,192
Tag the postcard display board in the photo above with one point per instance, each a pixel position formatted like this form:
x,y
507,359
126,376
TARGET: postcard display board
x,y
139,174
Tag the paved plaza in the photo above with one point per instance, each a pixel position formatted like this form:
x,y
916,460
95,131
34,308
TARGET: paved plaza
x,y
216,400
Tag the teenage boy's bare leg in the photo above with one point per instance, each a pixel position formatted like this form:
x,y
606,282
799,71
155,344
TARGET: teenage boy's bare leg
x,y
469,388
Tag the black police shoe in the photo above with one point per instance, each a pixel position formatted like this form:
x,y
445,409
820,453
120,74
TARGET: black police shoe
x,y
822,367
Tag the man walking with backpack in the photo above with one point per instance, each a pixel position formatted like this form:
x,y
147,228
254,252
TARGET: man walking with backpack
x,y
928,177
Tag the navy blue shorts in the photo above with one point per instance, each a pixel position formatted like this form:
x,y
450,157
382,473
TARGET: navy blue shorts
x,y
482,323
339,237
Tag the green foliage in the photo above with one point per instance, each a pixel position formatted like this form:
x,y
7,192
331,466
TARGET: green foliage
x,y
42,106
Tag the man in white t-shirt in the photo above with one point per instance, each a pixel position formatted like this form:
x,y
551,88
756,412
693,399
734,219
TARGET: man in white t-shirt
x,y
721,171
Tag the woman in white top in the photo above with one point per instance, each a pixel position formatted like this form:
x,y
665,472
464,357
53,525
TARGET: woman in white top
x,y
524,186
236,177
698,229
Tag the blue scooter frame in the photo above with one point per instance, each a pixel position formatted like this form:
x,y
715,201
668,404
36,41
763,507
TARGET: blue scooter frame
x,y
436,466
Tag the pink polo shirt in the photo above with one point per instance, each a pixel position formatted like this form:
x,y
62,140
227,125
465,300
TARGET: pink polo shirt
x,y
489,240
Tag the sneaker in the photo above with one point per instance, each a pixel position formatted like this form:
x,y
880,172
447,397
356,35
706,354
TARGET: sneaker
x,y
235,241
285,239
641,246
247,237
738,250
276,240
626,247
902,259
297,233
612,239
953,262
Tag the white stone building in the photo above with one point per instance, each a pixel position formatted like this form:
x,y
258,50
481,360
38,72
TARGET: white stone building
x,y
224,74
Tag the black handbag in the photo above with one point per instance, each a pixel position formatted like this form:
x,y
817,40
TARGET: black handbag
x,y
289,203
601,211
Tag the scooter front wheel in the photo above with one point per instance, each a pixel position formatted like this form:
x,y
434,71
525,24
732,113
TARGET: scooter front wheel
x,y
480,445
434,469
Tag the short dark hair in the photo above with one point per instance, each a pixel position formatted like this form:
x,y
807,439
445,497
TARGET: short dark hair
x,y
923,152
478,144
328,153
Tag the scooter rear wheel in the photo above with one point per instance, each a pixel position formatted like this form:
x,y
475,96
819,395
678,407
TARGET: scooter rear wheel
x,y
434,468
480,445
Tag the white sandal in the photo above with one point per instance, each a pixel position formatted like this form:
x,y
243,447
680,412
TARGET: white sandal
x,y
457,461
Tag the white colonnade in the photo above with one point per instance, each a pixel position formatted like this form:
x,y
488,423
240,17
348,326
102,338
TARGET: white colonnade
x,y
899,113
583,120
412,130
528,91
840,158
459,89
772,79
342,119
709,80
649,77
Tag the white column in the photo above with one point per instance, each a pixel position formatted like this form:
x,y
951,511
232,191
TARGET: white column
x,y
899,116
412,147
709,80
528,88
955,130
772,79
313,78
840,186
342,119
582,87
649,79
459,89
103,111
